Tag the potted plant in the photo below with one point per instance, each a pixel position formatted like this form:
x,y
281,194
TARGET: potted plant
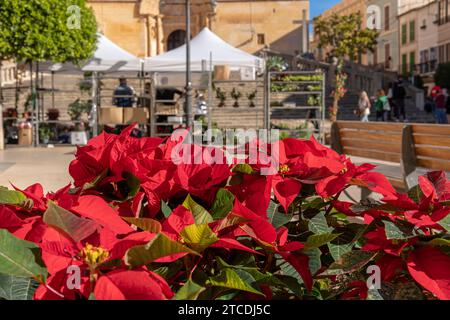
x,y
251,98
53,114
44,133
222,96
236,95
77,108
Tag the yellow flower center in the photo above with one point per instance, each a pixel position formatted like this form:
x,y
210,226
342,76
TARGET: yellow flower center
x,y
343,171
284,168
94,256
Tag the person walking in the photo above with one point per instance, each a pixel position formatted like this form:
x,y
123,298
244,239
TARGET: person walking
x,y
382,106
399,95
364,106
441,106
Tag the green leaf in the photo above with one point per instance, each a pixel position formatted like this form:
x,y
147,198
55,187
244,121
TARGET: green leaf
x,y
96,181
318,224
243,168
398,232
222,204
277,218
337,250
318,240
445,223
165,209
415,193
160,246
145,224
190,291
350,262
439,242
17,288
133,185
228,278
314,259
198,236
11,197
201,215
76,227
287,269
19,257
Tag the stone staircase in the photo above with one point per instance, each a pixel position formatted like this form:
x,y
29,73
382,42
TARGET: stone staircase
x,y
350,102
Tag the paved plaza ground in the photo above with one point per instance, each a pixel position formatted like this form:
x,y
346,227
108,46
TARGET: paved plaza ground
x,y
26,166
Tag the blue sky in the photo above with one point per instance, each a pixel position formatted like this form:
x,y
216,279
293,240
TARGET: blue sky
x,y
319,6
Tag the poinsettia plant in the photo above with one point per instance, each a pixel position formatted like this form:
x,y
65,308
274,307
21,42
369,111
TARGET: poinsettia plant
x,y
137,225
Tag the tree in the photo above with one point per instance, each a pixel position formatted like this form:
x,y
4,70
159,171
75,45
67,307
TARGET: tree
x,y
343,37
442,75
46,30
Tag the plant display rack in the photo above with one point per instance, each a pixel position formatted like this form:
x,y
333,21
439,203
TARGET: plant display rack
x,y
311,85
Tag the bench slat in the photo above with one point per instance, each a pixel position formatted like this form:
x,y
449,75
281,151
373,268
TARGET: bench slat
x,y
429,152
379,155
435,164
375,144
367,126
437,129
364,135
439,141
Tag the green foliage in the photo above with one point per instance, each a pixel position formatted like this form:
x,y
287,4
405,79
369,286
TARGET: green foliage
x,y
39,30
78,108
11,197
442,75
160,246
19,258
275,63
76,227
17,288
343,36
201,215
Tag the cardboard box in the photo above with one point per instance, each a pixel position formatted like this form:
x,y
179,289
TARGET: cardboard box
x,y
25,136
222,72
78,137
135,115
112,115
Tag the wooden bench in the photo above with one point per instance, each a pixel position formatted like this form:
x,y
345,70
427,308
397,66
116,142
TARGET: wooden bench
x,y
410,148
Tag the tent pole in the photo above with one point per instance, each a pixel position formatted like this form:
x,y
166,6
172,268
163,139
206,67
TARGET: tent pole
x,y
210,97
188,102
94,105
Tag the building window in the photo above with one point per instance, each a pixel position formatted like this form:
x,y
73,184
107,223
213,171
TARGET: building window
x,y
387,16
412,61
412,31
404,33
404,64
443,12
261,38
176,39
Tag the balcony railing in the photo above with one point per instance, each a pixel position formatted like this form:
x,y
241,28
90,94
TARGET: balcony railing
x,y
427,67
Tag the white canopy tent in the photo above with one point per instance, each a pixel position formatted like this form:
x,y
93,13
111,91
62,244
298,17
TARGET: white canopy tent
x,y
204,46
108,57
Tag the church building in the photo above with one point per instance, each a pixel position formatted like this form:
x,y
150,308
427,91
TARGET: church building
x,y
151,27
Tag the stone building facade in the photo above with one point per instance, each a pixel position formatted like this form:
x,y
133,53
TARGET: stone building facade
x,y
151,27
383,14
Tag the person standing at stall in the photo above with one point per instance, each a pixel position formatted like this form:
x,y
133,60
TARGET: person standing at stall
x,y
124,95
